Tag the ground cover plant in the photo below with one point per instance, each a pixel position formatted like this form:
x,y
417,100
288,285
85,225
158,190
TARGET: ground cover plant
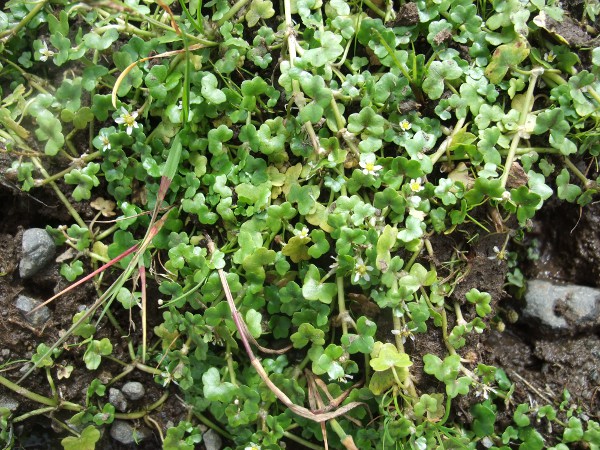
x,y
295,217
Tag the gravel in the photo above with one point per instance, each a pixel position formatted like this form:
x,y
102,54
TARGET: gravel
x,y
117,399
212,440
133,390
26,304
125,433
38,250
566,308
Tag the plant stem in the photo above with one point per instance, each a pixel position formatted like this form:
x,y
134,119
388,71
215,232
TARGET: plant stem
x,y
34,412
301,441
6,35
62,173
232,11
230,364
527,105
59,193
209,423
446,144
587,184
297,95
140,414
342,304
37,397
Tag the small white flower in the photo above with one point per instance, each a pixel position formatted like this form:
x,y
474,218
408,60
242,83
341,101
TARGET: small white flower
x,y
416,185
500,255
362,270
368,165
405,125
45,52
252,446
105,141
549,56
180,104
128,119
345,378
505,195
303,233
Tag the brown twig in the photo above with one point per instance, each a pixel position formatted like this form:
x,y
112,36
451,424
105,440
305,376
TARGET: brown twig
x,y
318,416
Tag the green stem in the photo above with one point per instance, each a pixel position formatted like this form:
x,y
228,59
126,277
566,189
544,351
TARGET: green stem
x,y
527,105
139,414
34,412
230,368
446,144
6,35
148,369
62,173
107,232
59,193
374,8
232,11
37,397
445,332
342,305
587,184
297,95
301,441
209,423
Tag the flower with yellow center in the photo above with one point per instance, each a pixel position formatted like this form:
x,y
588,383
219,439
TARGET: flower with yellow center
x,y
549,56
361,270
105,142
368,165
45,52
416,185
128,119
252,446
405,125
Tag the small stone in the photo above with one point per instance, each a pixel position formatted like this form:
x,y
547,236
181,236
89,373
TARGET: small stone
x,y
212,440
5,353
26,304
567,308
8,403
38,250
133,390
117,399
124,433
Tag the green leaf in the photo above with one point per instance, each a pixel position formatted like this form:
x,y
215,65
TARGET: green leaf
x,y
210,90
329,50
389,357
484,418
86,441
439,71
505,57
314,289
259,9
216,390
307,333
445,370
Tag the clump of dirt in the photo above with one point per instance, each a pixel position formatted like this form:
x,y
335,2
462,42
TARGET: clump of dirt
x,y
564,246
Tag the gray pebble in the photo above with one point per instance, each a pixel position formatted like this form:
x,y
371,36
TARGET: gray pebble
x,y
133,390
117,399
5,353
124,433
212,440
567,308
38,250
25,304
